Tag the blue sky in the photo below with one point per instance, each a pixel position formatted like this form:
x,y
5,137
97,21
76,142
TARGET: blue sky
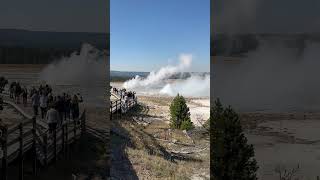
x,y
148,34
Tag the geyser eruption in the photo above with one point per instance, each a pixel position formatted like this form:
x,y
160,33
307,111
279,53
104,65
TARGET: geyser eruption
x,y
85,68
159,82
83,72
195,86
154,78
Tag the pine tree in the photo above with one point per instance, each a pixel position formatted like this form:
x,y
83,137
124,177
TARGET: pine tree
x,y
180,115
231,156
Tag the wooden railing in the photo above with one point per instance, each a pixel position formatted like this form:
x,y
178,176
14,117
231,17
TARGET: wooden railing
x,y
30,135
119,106
50,144
115,106
15,142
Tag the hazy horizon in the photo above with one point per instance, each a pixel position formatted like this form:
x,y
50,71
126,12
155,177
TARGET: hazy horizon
x,y
150,71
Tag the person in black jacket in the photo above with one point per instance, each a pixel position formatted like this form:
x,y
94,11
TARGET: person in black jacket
x,y
1,103
25,96
67,106
60,107
18,92
75,107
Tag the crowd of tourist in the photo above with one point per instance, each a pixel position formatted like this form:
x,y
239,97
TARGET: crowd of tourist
x,y
124,94
125,97
53,108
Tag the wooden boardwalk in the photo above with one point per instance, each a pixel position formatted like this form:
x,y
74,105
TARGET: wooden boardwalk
x,y
117,106
32,135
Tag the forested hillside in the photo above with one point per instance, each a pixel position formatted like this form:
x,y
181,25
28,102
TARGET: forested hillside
x,y
40,47
240,44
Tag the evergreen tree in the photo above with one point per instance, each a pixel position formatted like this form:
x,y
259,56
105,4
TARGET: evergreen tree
x,y
231,156
207,124
180,115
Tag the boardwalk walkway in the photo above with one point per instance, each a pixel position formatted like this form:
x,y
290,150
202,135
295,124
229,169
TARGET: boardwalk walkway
x,y
32,134
117,105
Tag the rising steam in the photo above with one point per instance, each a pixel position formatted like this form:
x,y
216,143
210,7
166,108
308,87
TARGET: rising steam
x,y
158,82
83,68
83,72
194,86
272,78
154,78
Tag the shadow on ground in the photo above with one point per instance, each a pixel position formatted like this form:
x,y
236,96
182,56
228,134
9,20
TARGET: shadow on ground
x,y
87,160
121,166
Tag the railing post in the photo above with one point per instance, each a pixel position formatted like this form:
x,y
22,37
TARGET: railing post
x,y
74,130
34,132
63,138
121,104
4,151
45,142
119,108
67,140
83,122
117,111
111,108
74,136
55,144
20,151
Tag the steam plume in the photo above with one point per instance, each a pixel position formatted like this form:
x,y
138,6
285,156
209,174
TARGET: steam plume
x,y
273,78
158,82
84,68
83,72
164,73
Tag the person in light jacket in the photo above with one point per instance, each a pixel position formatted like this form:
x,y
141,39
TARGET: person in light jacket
x,y
43,104
52,118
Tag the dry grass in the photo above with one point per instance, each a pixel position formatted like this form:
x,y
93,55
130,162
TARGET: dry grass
x,y
160,101
152,143
156,167
151,146
162,131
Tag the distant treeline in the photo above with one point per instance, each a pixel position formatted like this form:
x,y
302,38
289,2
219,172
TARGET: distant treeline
x,y
21,55
240,44
118,76
185,75
40,47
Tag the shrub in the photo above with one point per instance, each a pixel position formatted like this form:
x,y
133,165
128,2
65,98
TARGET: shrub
x,y
186,125
179,114
231,156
